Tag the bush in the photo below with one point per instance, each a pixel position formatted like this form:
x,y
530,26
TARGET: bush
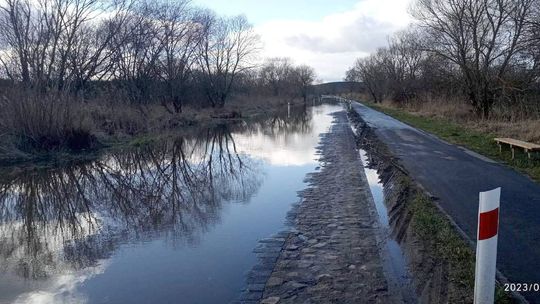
x,y
41,123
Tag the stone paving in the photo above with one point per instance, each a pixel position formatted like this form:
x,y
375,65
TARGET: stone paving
x,y
331,253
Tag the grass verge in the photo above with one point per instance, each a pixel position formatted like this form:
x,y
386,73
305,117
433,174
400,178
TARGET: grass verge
x,y
438,236
476,141
435,229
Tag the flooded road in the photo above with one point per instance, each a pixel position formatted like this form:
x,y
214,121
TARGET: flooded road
x,y
174,221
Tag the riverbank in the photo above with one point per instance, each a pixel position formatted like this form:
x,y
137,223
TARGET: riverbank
x,y
105,128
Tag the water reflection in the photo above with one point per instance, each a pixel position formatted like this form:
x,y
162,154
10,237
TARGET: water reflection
x,y
282,141
76,215
394,262
60,226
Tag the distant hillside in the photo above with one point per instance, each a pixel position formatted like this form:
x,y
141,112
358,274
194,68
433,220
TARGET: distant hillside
x,y
337,87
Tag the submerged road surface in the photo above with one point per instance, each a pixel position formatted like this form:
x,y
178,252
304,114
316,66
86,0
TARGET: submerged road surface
x,y
456,175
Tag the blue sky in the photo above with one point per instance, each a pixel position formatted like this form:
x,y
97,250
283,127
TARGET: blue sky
x,y
326,34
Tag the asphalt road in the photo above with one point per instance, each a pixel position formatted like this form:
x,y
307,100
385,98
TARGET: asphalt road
x,y
455,176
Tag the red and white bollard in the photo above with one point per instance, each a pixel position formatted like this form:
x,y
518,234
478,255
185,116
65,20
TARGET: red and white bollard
x,y
486,247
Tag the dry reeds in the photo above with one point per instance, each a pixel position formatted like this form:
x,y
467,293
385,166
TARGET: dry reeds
x,y
518,121
43,123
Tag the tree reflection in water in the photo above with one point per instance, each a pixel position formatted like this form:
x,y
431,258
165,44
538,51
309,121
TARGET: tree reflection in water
x,y
62,224
73,216
299,122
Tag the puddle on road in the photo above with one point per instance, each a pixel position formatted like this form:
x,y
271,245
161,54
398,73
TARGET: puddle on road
x,y
395,264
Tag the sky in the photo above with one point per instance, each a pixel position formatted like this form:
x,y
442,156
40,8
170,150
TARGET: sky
x,y
325,34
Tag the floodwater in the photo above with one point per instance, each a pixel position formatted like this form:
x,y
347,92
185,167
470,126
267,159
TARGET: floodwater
x,y
394,262
170,222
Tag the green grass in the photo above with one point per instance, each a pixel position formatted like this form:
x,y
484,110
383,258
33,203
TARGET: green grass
x,y
435,229
479,142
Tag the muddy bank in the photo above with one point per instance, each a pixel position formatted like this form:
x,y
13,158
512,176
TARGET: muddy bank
x,y
442,273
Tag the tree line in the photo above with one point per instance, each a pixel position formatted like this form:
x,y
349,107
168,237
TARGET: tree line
x,y
168,52
484,51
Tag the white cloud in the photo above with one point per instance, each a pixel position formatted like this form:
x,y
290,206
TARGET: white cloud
x,y
64,287
332,44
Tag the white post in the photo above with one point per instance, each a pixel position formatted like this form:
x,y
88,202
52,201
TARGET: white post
x,y
288,109
486,246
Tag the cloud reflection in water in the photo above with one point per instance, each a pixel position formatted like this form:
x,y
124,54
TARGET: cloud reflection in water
x,y
60,226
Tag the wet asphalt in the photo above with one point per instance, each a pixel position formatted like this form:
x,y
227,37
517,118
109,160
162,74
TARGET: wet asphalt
x,y
455,176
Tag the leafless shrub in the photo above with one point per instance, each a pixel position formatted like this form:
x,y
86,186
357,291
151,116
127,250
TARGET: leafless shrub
x,y
44,123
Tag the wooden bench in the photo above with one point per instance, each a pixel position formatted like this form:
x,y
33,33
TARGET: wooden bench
x,y
527,146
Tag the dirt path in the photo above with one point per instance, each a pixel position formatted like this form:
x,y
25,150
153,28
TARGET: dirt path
x,y
332,254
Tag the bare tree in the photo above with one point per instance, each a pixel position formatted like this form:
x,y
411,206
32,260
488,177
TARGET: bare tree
x,y
401,62
50,44
92,58
534,37
181,36
481,37
228,48
275,73
17,39
371,72
139,46
306,75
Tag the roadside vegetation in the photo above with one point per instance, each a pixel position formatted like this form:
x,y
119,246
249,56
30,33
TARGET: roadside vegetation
x,y
467,71
447,251
472,134
77,74
435,229
483,53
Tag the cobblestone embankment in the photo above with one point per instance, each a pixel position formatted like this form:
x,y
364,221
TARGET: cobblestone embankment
x,y
331,254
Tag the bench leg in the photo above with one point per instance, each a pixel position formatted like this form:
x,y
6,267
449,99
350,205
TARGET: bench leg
x,y
500,147
512,147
